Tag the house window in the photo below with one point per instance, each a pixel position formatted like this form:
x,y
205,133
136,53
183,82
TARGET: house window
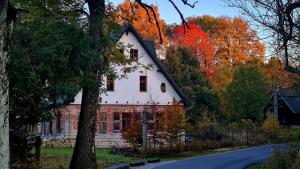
x,y
134,55
125,121
110,83
143,83
102,121
163,87
116,122
150,120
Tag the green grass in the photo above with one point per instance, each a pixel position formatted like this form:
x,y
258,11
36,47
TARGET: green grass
x,y
54,158
59,158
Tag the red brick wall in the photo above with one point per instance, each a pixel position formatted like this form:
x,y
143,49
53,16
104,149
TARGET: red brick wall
x,y
72,111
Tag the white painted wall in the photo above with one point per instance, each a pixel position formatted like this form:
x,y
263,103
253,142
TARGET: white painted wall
x,y
127,91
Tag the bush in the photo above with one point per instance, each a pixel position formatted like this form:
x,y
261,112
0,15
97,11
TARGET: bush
x,y
271,126
285,159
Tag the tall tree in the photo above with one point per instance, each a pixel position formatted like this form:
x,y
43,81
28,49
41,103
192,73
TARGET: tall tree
x,y
142,20
7,15
277,76
247,94
44,69
84,155
185,70
277,20
198,42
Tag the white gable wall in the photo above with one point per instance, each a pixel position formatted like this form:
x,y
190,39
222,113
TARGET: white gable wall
x,y
127,90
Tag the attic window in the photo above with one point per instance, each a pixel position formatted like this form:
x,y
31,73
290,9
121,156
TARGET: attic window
x,y
163,87
143,83
110,83
134,55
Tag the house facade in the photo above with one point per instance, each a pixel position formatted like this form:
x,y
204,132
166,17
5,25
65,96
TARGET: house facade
x,y
147,89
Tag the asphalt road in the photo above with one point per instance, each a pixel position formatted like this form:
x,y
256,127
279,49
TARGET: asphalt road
x,y
238,159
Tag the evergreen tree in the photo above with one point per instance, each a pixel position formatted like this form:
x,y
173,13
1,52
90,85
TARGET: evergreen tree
x,y
185,70
247,94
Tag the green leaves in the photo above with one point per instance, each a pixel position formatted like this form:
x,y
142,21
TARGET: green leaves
x,y
247,94
46,61
185,70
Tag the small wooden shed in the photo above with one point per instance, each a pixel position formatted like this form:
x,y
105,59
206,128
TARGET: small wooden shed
x,y
285,103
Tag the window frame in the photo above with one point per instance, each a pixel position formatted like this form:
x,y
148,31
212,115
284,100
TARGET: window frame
x,y
134,54
126,121
143,84
116,122
103,121
110,84
163,87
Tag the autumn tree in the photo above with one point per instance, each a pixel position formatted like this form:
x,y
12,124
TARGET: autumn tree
x,y
277,76
134,134
219,83
142,20
198,42
271,126
176,122
235,43
185,70
277,20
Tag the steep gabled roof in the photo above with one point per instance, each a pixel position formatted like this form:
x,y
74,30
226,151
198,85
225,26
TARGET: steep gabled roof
x,y
151,52
292,99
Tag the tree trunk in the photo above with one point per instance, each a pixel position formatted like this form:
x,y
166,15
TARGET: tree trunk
x,y
6,25
84,155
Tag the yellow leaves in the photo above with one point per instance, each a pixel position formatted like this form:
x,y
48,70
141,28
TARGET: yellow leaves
x,y
277,76
175,117
271,125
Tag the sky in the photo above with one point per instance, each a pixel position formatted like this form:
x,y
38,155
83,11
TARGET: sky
x,y
203,7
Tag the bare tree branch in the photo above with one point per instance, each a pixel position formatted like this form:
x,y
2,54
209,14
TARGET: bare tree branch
x,y
147,7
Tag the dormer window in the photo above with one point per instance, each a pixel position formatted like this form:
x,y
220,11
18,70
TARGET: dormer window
x,y
109,83
134,55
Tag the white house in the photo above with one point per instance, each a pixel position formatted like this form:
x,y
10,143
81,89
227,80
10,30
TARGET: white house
x,y
144,90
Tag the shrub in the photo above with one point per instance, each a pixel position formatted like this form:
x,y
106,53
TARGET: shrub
x,y
271,126
134,134
285,159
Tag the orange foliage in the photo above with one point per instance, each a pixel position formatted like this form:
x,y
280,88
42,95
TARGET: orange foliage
x,y
277,76
134,13
235,43
198,42
176,122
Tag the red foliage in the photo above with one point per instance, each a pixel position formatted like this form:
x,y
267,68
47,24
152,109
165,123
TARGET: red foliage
x,y
198,42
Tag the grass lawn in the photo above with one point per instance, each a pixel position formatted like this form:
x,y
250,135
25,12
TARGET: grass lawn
x,y
59,158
